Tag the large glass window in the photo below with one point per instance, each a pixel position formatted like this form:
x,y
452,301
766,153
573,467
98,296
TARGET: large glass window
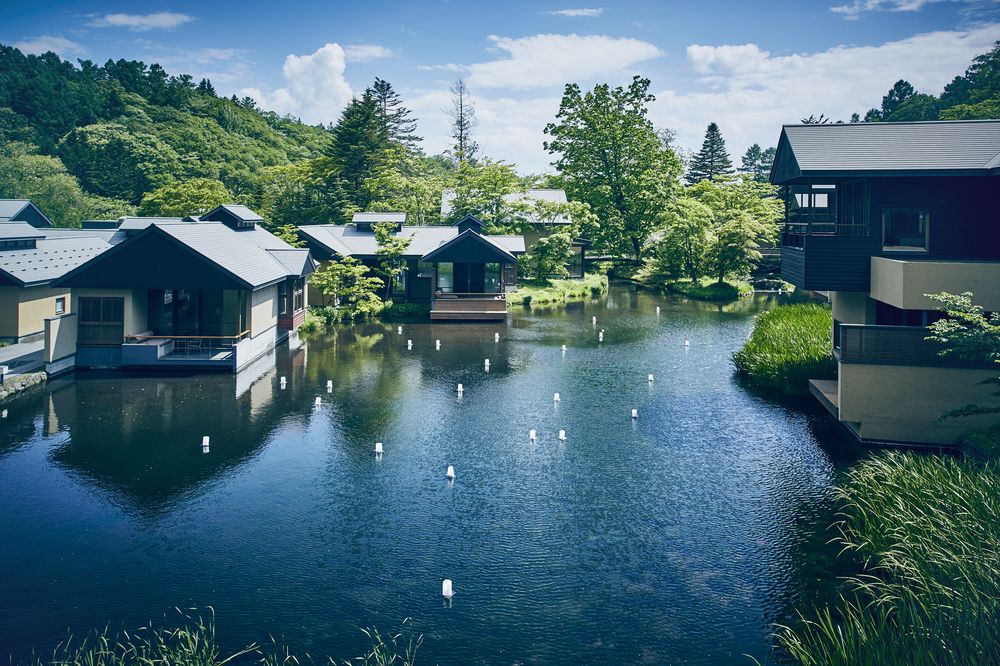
x,y
101,321
905,229
446,277
283,298
299,294
491,284
425,269
811,209
399,284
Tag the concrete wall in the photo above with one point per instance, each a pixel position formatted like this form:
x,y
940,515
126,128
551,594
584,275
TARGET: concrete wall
x,y
263,310
9,312
903,283
60,337
852,307
902,403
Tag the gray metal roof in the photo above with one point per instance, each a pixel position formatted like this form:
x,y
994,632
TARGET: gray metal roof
x,y
110,236
18,230
11,207
535,194
375,218
296,261
347,240
244,254
237,210
51,258
139,223
965,145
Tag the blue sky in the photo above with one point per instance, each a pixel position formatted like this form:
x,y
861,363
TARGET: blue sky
x,y
747,66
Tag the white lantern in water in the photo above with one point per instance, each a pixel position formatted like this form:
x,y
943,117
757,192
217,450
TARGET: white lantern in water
x,y
446,590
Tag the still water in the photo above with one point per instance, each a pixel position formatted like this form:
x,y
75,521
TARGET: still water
x,y
680,537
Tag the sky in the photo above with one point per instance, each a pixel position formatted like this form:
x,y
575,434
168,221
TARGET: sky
x,y
748,66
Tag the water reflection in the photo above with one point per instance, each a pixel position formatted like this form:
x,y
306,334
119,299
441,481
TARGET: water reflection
x,y
680,536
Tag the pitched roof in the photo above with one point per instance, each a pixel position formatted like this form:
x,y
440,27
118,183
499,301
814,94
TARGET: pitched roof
x,y
469,242
18,230
11,208
238,211
297,261
111,236
129,223
535,194
347,240
376,218
965,146
51,258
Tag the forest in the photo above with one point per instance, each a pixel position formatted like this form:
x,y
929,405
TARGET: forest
x,y
90,141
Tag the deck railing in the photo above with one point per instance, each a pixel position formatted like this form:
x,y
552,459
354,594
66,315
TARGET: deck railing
x,y
896,345
190,345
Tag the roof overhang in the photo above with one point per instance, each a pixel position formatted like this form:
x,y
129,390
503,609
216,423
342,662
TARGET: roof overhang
x,y
469,247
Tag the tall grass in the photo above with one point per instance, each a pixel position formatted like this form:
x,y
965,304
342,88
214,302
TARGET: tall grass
x,y
549,292
925,532
789,345
193,642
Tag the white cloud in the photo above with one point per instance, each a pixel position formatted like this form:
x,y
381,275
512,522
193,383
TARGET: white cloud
x,y
141,22
751,93
58,45
548,60
853,10
577,13
366,52
315,88
448,67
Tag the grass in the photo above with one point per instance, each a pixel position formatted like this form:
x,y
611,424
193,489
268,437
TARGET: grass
x,y
925,534
552,292
193,642
789,345
709,289
982,445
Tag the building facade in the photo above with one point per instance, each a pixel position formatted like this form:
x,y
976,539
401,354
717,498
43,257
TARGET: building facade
x,y
878,215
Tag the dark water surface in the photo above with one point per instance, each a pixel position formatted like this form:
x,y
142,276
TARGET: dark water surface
x,y
678,538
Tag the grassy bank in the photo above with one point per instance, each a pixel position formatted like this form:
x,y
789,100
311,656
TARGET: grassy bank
x,y
708,289
924,532
192,641
789,345
554,292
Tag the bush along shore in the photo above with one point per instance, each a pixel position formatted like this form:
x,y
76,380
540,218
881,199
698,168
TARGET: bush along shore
x,y
532,293
789,346
922,529
708,289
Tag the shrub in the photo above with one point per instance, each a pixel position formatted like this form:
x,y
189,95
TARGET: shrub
x,y
789,346
405,312
707,289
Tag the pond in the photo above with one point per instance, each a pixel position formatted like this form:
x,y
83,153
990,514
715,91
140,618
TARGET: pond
x,y
677,537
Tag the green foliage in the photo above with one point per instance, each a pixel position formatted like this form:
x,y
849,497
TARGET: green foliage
x,y
967,333
289,194
406,183
548,257
789,346
924,533
180,199
493,193
348,290
406,312
712,162
757,162
683,248
711,290
390,248
981,445
549,292
611,157
734,250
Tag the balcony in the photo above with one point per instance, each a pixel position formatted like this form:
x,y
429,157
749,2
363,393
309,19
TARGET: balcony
x,y
895,345
902,283
149,350
827,257
469,307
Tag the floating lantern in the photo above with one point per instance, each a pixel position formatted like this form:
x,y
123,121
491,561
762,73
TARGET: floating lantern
x,y
657,309
204,444
486,364
649,378
532,435
437,344
399,330
283,382
450,473
635,414
562,435
378,448
329,386
593,321
409,344
687,343
564,349
556,398
319,401
3,414
460,388
496,337
446,590
600,336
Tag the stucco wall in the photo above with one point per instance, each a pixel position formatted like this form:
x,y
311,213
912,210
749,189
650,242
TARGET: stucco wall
x,y
263,310
9,307
903,283
38,304
60,337
852,307
902,403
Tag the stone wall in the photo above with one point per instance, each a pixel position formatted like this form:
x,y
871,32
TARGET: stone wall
x,y
14,385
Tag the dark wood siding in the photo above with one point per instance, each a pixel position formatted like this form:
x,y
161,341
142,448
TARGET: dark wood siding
x,y
829,263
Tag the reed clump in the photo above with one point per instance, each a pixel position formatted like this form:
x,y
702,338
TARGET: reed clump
x,y
789,345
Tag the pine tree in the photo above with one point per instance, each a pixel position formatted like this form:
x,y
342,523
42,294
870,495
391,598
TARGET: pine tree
x,y
855,118
899,93
398,122
463,120
205,87
712,161
813,120
358,148
757,162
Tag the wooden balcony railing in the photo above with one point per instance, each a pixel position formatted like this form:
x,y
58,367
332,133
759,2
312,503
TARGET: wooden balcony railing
x,y
896,345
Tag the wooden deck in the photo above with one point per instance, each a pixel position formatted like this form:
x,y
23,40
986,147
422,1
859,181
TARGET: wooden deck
x,y
827,392
487,308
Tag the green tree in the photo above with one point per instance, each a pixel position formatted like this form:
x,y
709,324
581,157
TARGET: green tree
x,y
345,284
712,161
735,249
970,333
757,162
192,197
398,123
112,161
683,247
462,117
290,194
493,193
407,184
390,249
610,156
900,92
548,257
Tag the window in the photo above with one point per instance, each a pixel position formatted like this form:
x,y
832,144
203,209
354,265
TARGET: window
x,y
491,284
905,229
399,284
283,298
425,269
61,305
101,321
811,209
299,294
18,244
446,277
